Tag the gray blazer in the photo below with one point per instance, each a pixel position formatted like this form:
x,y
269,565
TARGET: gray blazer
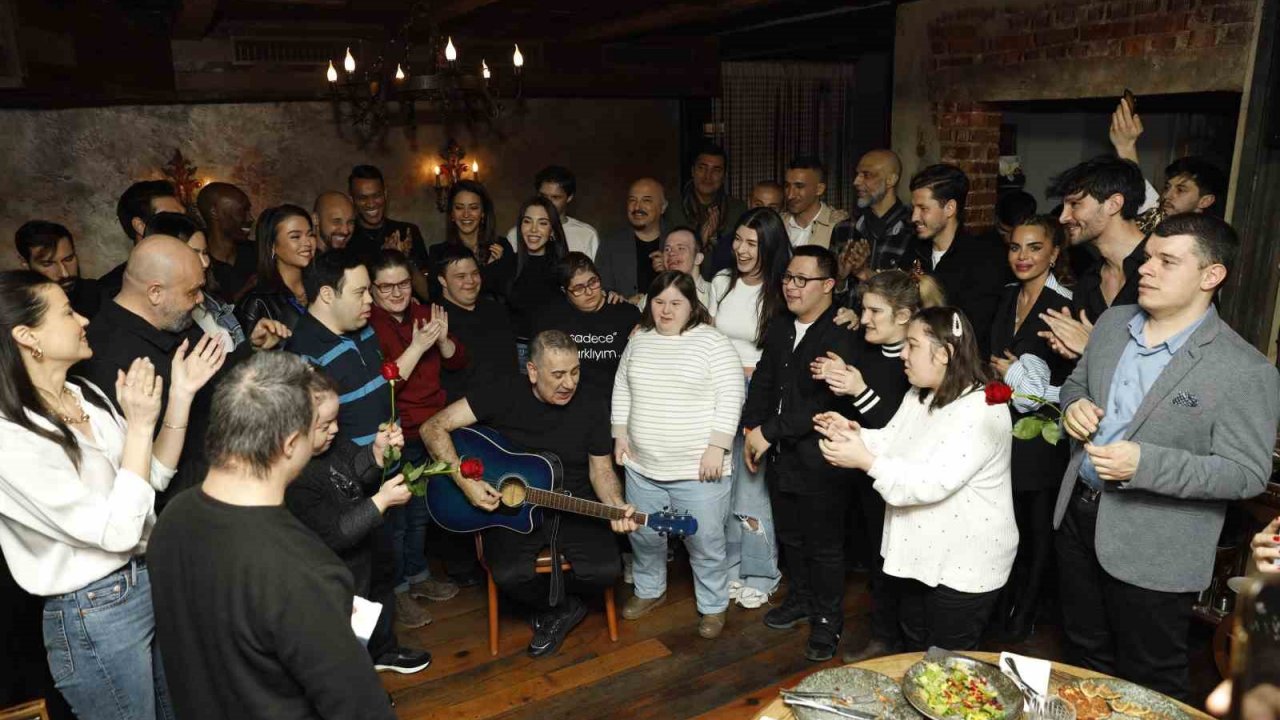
x,y
616,260
1207,429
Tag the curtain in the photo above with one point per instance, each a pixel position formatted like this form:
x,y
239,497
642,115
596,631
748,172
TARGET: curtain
x,y
770,112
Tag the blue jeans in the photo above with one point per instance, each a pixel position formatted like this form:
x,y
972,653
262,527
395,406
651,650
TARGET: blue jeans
x,y
409,529
100,643
753,554
708,502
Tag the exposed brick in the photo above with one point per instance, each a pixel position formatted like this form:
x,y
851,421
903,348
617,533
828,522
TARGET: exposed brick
x,y
1233,13
955,152
957,32
1237,34
1146,7
1046,38
1134,47
1057,53
1094,13
1170,22
1119,10
1106,31
981,199
964,46
1064,16
985,135
1164,42
1202,38
955,61
1177,5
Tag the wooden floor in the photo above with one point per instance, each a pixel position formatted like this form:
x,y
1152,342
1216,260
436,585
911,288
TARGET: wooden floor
x,y
659,668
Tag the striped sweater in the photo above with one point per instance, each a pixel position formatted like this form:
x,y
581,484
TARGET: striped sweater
x,y
675,395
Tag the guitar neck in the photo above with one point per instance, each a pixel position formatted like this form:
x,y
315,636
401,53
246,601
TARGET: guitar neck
x,y
568,503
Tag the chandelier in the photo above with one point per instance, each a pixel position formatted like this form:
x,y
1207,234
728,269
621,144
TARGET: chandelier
x,y
371,95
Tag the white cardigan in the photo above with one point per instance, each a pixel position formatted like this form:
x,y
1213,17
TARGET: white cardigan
x,y
945,479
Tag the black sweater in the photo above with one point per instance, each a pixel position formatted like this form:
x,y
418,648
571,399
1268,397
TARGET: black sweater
x,y
882,370
253,616
486,332
331,498
784,397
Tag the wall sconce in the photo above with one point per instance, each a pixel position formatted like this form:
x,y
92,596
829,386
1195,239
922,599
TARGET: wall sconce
x,y
182,174
451,169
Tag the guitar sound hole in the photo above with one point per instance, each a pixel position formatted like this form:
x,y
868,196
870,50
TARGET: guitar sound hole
x,y
513,492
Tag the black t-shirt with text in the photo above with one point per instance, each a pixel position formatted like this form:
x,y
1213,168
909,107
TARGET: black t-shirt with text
x,y
570,432
601,337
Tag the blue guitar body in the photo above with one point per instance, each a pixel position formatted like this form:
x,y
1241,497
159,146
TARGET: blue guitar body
x,y
449,506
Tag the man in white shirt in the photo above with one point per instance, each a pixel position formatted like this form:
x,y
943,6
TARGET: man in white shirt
x,y
558,185
682,252
809,220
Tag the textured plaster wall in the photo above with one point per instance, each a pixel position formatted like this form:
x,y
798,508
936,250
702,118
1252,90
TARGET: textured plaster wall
x,y
71,165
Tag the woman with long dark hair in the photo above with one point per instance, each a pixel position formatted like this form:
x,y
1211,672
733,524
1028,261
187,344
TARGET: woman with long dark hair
x,y
677,399
77,494
744,299
473,225
540,246
1025,361
286,246
942,467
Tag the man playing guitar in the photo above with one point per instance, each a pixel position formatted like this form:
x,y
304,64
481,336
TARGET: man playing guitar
x,y
549,417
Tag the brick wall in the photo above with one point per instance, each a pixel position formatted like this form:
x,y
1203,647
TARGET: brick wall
x,y
1068,49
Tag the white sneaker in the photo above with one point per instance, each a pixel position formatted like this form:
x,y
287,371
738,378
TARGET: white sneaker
x,y
627,560
751,598
735,587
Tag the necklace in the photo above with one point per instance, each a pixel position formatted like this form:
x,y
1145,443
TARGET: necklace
x,y
80,418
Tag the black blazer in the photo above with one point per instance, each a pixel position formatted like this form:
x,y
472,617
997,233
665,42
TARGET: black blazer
x,y
972,274
1036,464
784,397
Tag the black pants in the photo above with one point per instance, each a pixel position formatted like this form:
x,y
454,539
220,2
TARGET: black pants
x,y
884,607
587,543
1033,511
1114,627
810,532
939,615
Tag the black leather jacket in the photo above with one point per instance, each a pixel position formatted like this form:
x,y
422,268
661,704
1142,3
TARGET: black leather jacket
x,y
272,304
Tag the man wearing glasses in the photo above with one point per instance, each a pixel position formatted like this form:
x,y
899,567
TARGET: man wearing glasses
x,y
808,495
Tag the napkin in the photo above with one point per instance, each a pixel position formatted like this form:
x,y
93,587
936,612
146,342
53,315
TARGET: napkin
x,y
1034,671
364,617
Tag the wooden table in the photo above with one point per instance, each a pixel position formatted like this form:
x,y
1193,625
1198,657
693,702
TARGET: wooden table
x,y
895,666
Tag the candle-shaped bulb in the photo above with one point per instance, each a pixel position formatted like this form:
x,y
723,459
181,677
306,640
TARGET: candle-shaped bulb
x,y
475,167
331,73
484,69
437,170
399,72
450,52
517,58
349,62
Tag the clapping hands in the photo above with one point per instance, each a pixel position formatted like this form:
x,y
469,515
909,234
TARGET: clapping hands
x,y
191,371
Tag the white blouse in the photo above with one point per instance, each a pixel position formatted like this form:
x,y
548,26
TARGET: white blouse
x,y
63,528
736,314
944,476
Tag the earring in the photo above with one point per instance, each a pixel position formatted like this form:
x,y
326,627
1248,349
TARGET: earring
x,y
1052,263
37,353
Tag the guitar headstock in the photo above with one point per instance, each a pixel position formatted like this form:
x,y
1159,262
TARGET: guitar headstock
x,y
678,524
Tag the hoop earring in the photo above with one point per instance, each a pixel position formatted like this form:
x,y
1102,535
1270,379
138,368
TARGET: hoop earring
x,y
37,354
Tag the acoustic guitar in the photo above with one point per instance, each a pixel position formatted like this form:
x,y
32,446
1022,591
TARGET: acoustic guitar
x,y
527,482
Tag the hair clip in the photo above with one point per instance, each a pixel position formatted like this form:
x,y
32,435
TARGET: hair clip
x,y
956,329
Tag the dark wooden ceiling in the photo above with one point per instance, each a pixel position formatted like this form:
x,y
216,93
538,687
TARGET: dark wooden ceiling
x,y
83,52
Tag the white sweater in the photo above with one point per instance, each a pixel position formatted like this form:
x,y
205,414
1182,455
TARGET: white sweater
x,y
736,315
673,396
945,480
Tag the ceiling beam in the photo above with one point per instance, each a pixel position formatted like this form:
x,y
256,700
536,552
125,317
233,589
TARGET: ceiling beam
x,y
667,18
446,11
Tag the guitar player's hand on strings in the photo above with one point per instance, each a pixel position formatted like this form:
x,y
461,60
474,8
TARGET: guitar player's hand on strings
x,y
626,524
479,493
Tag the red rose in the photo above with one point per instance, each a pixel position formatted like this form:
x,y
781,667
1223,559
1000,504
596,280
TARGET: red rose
x,y
998,393
391,371
472,468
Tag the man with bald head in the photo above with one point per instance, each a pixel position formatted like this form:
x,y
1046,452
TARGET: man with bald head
x,y
629,261
334,217
228,222
879,237
151,318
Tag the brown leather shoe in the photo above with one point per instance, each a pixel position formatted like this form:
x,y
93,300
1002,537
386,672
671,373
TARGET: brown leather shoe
x,y
638,607
712,625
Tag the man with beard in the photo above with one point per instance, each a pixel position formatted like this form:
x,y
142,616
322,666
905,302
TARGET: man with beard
x,y
970,271
1192,184
629,261
48,248
881,235
228,222
1100,202
374,231
139,203
809,220
705,204
151,318
334,217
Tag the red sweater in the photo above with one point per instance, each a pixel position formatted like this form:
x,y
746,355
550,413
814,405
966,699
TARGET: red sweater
x,y
421,396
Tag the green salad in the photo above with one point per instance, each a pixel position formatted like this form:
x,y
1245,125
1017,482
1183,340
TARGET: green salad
x,y
956,693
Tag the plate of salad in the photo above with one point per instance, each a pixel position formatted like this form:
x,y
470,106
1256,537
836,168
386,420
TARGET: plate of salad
x,y
959,688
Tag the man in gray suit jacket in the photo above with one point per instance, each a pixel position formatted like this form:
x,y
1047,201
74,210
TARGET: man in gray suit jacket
x,y
619,258
1175,415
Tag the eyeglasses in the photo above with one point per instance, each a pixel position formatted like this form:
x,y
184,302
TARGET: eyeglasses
x,y
392,288
800,280
578,290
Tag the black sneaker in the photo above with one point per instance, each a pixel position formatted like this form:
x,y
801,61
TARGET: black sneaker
x,y
824,638
550,629
790,613
405,661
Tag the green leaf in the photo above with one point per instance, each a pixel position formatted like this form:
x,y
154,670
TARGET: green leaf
x,y
438,467
1028,427
417,486
393,453
412,473
1051,433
